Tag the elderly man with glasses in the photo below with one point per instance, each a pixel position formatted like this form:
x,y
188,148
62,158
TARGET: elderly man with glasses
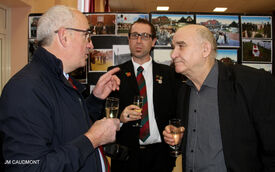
x,y
156,83
47,124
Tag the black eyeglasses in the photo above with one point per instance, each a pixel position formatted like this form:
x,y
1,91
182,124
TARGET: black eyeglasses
x,y
88,32
143,36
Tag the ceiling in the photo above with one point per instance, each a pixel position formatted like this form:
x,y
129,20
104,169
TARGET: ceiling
x,y
234,6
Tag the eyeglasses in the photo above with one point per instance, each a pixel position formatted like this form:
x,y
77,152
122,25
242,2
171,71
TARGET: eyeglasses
x,y
143,36
88,33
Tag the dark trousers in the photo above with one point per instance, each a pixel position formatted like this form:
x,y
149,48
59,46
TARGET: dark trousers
x,y
151,158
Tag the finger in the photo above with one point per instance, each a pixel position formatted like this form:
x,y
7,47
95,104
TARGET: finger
x,y
114,70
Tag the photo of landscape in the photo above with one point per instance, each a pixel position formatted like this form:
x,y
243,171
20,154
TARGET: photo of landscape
x,y
257,50
124,21
167,24
225,28
258,27
229,56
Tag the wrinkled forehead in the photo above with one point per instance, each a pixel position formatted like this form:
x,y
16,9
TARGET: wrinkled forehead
x,y
185,34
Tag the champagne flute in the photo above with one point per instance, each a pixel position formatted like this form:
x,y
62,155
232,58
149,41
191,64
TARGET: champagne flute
x,y
111,107
177,129
138,101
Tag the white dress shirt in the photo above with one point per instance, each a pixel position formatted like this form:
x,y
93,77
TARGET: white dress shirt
x,y
148,76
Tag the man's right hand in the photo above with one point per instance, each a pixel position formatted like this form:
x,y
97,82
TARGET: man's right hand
x,y
103,131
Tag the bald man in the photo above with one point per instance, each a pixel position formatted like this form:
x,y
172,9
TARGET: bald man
x,y
228,110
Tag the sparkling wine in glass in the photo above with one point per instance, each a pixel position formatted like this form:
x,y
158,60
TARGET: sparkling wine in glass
x,y
177,129
112,107
138,101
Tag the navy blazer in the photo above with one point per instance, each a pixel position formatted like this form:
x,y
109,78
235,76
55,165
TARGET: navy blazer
x,y
44,119
246,101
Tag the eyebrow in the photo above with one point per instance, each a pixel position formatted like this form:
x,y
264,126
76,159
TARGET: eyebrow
x,y
180,42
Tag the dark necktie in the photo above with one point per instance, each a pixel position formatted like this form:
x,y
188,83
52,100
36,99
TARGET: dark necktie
x,y
144,132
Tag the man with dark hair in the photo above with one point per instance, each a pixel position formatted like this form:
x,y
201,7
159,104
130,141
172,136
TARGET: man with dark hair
x,y
148,152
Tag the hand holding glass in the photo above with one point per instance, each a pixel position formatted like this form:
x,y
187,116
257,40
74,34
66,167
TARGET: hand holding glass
x,y
111,107
138,101
177,129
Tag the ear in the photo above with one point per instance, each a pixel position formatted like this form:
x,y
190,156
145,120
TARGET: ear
x,y
206,48
62,37
154,42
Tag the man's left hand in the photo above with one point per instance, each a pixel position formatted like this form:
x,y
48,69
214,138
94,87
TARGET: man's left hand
x,y
106,84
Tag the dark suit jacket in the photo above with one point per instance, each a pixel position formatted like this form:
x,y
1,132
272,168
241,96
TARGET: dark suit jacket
x,y
164,100
246,101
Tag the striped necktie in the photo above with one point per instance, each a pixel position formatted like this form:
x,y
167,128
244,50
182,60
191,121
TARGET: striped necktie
x,y
144,132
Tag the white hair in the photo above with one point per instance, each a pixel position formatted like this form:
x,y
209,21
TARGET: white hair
x,y
55,18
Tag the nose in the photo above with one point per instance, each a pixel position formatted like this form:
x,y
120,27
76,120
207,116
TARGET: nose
x,y
139,38
174,54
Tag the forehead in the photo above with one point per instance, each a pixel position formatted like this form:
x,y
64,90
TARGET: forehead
x,y
184,35
141,28
81,20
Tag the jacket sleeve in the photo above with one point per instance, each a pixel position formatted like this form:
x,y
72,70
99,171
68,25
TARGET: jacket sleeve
x,y
263,110
95,107
26,120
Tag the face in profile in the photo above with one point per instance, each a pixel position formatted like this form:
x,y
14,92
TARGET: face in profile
x,y
187,51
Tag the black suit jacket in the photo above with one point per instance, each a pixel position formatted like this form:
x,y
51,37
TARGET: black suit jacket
x,y
164,99
246,101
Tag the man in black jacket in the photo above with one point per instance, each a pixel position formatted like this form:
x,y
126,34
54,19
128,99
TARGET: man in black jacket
x,y
150,154
46,122
228,111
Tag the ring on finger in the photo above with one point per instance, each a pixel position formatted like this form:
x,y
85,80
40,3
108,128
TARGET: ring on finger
x,y
128,116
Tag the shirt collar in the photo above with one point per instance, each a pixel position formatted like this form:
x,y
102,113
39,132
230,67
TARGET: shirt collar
x,y
66,75
211,79
144,65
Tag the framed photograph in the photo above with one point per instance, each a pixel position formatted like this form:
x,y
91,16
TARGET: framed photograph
x,y
225,28
80,74
162,56
124,21
33,21
167,24
257,51
266,67
256,27
102,23
100,60
228,56
121,54
33,45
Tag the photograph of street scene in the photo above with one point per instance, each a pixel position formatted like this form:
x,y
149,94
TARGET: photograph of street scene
x,y
80,74
124,21
102,24
100,60
224,27
257,50
167,24
258,27
227,56
162,56
266,67
121,54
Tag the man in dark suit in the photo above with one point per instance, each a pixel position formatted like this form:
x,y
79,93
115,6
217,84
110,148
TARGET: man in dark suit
x,y
228,110
151,154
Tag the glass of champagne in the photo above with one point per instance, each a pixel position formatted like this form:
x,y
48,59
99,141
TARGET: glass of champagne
x,y
177,129
111,107
138,101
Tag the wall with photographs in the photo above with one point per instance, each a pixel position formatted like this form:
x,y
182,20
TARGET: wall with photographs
x,y
242,39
